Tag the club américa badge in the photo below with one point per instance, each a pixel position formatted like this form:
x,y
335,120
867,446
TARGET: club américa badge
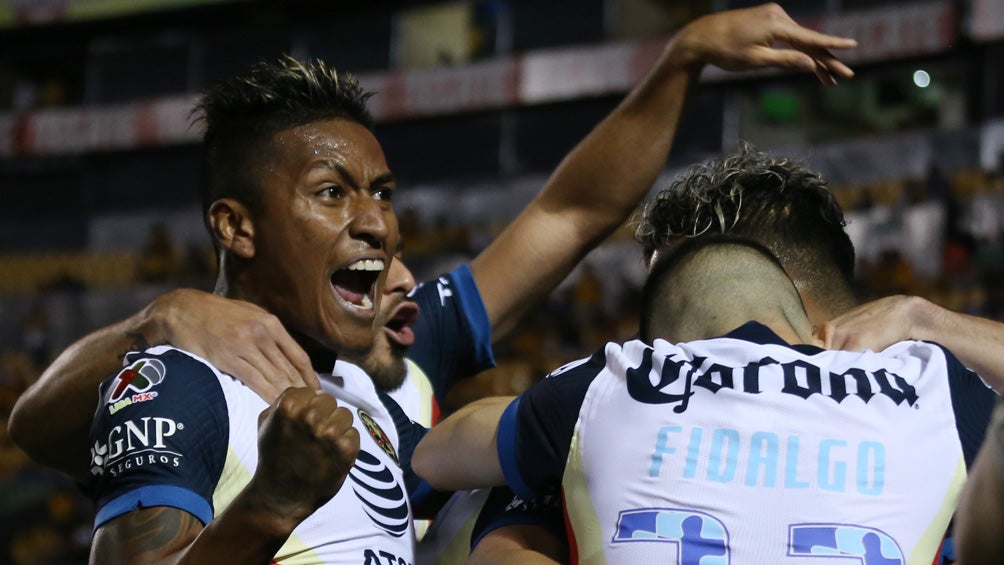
x,y
378,435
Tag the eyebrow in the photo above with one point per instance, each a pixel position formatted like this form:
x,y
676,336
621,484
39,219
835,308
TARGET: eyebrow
x,y
381,179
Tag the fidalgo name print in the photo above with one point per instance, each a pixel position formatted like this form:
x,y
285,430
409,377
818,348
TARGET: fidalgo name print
x,y
676,377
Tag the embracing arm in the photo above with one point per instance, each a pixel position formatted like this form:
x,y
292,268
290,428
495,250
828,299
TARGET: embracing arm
x,y
977,342
238,337
69,388
460,452
598,184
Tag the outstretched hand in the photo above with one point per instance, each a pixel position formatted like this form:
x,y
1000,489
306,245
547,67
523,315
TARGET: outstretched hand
x,y
764,36
239,338
306,447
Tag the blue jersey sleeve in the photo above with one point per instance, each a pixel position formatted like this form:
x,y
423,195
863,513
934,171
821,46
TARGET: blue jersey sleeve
x,y
453,337
425,501
503,508
973,403
159,437
535,431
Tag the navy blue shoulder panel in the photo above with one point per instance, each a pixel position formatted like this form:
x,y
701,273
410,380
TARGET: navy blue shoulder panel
x,y
503,508
535,432
453,336
972,402
159,436
424,500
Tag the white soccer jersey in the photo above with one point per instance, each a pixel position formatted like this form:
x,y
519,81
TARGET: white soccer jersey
x,y
415,395
745,450
171,430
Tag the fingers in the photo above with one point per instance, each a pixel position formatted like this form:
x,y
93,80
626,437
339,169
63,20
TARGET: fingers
x,y
814,44
279,357
319,416
253,377
830,62
791,31
319,411
832,337
262,355
826,67
824,75
807,38
786,59
298,359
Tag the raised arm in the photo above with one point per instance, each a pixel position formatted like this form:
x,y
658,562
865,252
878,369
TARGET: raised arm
x,y
238,337
977,342
306,447
606,175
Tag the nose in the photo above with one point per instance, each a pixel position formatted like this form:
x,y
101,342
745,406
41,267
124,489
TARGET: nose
x,y
373,222
399,278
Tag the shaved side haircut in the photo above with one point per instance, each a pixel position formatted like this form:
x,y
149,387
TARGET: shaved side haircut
x,y
709,286
777,202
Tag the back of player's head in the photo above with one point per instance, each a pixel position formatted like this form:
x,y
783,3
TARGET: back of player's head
x,y
776,202
708,286
242,114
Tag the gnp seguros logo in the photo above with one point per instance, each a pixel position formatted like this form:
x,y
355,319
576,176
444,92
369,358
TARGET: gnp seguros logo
x,y
135,443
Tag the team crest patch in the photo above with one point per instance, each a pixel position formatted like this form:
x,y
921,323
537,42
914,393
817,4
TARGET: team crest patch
x,y
378,435
132,385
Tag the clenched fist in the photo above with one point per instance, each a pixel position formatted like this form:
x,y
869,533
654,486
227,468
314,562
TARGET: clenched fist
x,y
306,447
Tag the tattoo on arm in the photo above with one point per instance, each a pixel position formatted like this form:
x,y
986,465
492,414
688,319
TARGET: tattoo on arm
x,y
145,535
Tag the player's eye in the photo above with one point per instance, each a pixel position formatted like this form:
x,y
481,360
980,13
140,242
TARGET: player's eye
x,y
384,193
333,191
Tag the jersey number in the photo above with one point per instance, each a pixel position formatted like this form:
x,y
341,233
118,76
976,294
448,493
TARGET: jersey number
x,y
702,539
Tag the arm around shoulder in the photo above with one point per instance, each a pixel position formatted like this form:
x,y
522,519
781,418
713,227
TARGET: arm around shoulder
x,y
977,342
460,452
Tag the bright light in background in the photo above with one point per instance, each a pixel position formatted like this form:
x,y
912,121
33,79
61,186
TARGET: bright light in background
x,y
921,78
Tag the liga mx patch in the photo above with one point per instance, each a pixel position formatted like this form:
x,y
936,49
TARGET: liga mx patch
x,y
132,385
378,435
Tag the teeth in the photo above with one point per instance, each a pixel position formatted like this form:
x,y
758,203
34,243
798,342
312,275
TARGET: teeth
x,y
366,302
366,265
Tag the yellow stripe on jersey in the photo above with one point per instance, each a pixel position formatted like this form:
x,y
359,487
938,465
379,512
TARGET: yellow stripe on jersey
x,y
233,479
424,387
295,552
579,508
235,476
927,546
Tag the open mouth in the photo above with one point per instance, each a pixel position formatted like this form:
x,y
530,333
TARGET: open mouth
x,y
355,284
398,328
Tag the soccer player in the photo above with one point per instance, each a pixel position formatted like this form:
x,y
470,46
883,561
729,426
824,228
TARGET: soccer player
x,y
187,464
591,192
753,447
789,208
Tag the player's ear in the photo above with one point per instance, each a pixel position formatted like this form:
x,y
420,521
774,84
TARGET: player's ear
x,y
231,225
